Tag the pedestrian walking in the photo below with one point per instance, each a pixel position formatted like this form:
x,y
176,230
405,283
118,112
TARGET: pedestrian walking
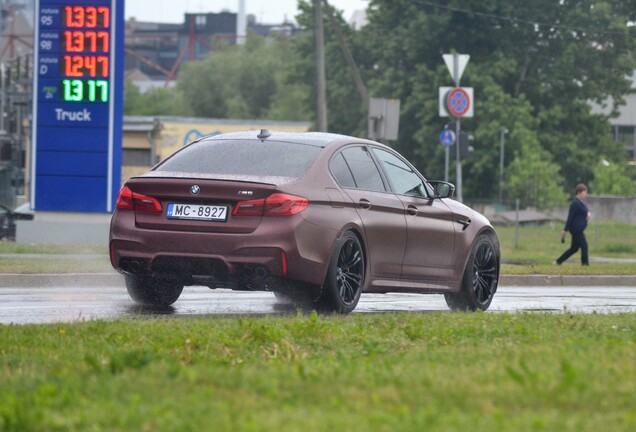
x,y
578,216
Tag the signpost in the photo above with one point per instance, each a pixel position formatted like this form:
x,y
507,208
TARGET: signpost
x,y
456,102
77,105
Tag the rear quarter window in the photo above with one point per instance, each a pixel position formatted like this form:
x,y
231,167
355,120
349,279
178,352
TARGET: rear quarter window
x,y
243,157
341,171
363,168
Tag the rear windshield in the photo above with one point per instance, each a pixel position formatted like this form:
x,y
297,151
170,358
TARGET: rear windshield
x,y
243,157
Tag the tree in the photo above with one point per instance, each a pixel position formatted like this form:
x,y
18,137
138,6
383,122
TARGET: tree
x,y
131,98
155,101
612,179
534,65
244,82
535,179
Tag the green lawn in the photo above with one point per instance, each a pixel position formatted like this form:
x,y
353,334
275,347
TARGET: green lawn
x,y
536,248
363,372
54,259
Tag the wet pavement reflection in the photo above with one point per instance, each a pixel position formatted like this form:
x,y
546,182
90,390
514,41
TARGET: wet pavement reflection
x,y
69,304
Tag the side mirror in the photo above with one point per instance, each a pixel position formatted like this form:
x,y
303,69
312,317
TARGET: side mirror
x,y
443,189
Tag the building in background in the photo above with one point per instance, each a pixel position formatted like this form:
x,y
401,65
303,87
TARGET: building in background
x,y
358,19
624,126
156,51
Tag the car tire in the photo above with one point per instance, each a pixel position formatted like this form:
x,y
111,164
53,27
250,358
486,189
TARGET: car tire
x,y
345,276
480,279
153,292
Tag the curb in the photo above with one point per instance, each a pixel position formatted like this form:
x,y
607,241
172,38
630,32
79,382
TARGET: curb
x,y
76,280
567,280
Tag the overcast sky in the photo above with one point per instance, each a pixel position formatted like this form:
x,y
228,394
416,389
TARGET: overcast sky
x,y
266,11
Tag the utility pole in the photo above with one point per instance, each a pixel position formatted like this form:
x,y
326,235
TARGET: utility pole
x,y
321,81
241,23
362,89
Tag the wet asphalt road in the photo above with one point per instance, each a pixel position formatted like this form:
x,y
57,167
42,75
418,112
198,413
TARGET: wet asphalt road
x,y
68,303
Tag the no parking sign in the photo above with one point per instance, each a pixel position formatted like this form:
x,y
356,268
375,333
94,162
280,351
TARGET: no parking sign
x,y
456,102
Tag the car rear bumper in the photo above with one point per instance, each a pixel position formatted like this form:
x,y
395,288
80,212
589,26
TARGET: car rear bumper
x,y
280,247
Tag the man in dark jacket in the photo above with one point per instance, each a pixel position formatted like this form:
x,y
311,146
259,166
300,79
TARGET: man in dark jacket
x,y
578,216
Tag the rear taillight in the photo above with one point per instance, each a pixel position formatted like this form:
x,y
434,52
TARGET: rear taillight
x,y
129,200
275,205
249,208
284,205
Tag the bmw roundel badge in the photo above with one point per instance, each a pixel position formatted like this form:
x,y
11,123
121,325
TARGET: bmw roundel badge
x,y
195,189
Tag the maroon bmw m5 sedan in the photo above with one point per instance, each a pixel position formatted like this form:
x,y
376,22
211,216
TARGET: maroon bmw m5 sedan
x,y
316,218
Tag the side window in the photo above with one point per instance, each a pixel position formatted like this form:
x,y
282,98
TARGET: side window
x,y
341,171
364,170
403,179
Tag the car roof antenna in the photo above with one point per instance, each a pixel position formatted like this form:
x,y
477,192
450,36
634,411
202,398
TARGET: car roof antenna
x,y
263,135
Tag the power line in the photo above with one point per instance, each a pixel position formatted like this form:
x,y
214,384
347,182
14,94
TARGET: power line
x,y
513,20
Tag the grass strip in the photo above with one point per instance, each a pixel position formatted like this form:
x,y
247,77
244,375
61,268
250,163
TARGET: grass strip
x,y
529,250
53,265
70,249
364,372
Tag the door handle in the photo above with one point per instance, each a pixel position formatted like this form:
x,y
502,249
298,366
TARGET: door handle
x,y
365,204
412,210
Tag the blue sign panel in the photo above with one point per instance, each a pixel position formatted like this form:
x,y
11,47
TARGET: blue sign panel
x,y
447,137
77,105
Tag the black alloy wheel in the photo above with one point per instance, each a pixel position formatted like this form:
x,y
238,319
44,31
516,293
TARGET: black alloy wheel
x,y
485,273
345,276
481,277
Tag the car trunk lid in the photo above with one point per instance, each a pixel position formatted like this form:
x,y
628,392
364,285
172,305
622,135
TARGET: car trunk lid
x,y
203,205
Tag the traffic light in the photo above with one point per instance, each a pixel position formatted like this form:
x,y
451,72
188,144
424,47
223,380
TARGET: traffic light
x,y
465,145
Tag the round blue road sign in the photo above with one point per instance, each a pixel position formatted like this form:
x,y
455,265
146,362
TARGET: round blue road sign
x,y
447,137
458,102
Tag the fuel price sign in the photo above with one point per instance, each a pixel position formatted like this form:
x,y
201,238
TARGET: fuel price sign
x,y
77,104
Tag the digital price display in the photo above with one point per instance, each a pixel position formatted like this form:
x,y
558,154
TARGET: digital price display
x,y
78,105
86,16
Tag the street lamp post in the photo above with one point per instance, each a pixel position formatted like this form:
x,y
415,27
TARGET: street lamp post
x,y
502,141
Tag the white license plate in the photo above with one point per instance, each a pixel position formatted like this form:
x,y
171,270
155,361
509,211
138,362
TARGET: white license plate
x,y
197,212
